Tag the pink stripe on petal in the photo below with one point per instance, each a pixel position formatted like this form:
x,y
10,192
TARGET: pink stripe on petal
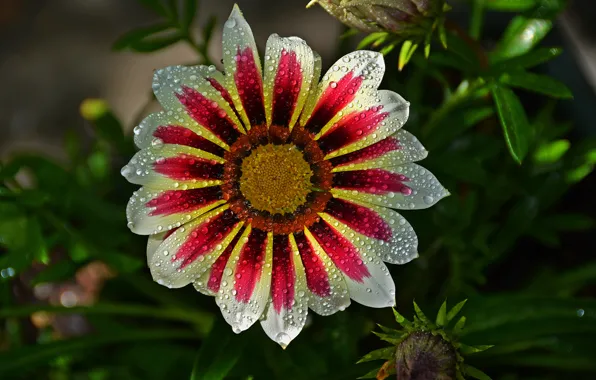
x,y
372,181
376,150
340,250
250,87
175,134
208,114
335,97
250,265
316,276
222,90
219,265
177,201
205,237
283,276
185,167
352,128
288,82
360,218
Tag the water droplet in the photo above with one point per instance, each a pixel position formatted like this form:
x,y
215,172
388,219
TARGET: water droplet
x,y
283,339
230,23
428,199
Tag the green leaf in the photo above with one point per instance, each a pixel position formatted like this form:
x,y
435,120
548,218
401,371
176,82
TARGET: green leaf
x,y
135,36
530,59
442,315
459,326
514,121
188,13
389,338
370,375
382,353
464,349
542,84
455,310
521,36
421,315
56,272
218,354
475,373
372,39
154,5
401,319
407,49
510,5
551,152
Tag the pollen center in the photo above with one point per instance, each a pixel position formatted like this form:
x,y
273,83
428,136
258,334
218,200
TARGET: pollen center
x,y
276,178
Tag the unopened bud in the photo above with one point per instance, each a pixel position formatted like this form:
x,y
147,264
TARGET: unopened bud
x,y
424,356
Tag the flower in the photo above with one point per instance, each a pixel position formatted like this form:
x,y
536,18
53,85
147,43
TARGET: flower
x,y
273,190
425,350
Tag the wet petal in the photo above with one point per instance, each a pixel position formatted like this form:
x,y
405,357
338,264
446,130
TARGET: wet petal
x,y
355,74
401,148
174,167
374,229
367,278
365,121
210,281
175,128
193,248
185,89
152,211
286,314
289,69
244,290
326,285
243,69
408,186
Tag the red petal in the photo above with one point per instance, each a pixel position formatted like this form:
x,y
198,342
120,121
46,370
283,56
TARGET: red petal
x,y
339,249
204,237
250,87
250,265
333,99
185,167
177,201
286,88
316,276
352,128
360,218
208,114
283,275
175,134
219,265
370,152
372,181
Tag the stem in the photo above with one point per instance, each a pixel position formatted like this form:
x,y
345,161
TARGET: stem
x,y
477,19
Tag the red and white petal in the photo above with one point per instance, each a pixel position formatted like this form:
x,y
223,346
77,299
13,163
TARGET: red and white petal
x,y
286,315
367,278
192,249
367,120
243,69
244,291
174,167
349,78
400,148
373,229
327,288
408,187
184,89
176,128
289,73
210,281
152,211
154,241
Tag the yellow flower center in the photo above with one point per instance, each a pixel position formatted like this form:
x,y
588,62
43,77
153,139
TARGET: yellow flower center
x,y
276,178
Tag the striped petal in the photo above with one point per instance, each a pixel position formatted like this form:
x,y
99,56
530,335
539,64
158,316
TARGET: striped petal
x,y
355,74
289,73
243,69
367,278
400,148
185,89
286,314
173,166
367,120
245,283
153,211
175,128
327,288
408,186
372,229
192,249
210,281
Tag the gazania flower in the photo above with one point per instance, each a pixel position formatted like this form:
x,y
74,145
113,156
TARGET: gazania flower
x,y
273,190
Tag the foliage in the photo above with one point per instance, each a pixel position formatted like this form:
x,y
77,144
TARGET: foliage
x,y
492,126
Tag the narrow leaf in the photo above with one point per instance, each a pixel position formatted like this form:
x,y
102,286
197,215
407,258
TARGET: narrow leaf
x,y
542,84
455,310
382,353
530,59
188,13
510,5
442,315
401,319
467,350
420,314
514,121
475,373
137,35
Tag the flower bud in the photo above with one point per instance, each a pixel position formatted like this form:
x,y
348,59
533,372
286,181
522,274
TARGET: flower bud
x,y
424,356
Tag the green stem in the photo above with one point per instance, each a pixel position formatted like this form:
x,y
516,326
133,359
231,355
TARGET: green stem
x,y
477,19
